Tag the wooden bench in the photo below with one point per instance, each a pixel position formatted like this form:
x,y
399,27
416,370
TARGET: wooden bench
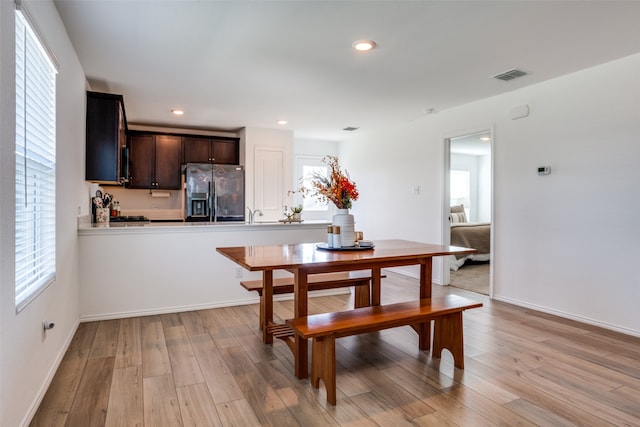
x,y
361,282
325,328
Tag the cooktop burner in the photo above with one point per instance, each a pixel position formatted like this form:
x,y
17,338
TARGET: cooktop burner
x,y
131,218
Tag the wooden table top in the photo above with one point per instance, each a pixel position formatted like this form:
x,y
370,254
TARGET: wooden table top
x,y
273,257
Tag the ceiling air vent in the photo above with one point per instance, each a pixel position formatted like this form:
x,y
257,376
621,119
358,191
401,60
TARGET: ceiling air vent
x,y
350,128
510,75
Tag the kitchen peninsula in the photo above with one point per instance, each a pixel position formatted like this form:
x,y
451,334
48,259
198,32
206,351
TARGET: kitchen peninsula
x,y
152,268
136,269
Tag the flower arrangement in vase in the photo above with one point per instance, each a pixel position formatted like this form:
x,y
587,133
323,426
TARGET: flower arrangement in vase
x,y
338,188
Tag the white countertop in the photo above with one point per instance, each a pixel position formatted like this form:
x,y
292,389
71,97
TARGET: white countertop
x,y
88,228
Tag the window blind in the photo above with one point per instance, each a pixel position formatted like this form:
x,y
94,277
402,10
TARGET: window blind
x,y
35,165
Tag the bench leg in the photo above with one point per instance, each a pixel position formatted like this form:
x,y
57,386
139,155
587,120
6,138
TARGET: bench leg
x,y
424,335
261,311
362,294
323,365
447,334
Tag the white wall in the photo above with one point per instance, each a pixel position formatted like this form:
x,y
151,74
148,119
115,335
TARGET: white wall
x,y
564,243
314,147
484,188
260,138
28,357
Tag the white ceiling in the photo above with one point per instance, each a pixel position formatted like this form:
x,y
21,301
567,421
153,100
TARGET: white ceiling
x,y
231,64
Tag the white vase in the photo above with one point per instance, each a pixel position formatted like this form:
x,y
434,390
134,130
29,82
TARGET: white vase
x,y
345,221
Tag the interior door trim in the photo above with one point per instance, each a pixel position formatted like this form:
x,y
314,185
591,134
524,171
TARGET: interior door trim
x,y
446,190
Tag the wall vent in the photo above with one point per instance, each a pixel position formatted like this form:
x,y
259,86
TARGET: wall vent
x,y
350,128
510,75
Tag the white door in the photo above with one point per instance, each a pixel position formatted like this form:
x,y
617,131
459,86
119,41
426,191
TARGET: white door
x,y
269,182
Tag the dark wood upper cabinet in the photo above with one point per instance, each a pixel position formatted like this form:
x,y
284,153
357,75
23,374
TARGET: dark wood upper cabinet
x,y
226,151
106,128
155,161
197,150
168,160
202,149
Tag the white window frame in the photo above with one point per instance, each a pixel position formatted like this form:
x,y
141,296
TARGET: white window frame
x,y
35,223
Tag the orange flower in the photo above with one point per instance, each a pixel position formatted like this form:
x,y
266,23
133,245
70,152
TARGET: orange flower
x,y
336,187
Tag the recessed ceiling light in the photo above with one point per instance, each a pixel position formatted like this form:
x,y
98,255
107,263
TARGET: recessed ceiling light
x,y
364,45
177,112
282,122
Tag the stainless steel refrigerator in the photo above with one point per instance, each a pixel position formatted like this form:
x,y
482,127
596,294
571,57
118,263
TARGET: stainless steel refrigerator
x,y
214,192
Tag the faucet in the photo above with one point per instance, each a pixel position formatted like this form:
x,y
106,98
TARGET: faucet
x,y
253,213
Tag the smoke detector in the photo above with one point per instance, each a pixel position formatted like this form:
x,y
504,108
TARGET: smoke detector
x,y
510,75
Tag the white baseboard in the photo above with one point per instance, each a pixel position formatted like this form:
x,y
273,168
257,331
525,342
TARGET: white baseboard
x,y
166,310
570,316
543,309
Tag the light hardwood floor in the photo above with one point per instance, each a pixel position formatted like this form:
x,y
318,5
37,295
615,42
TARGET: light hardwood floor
x,y
210,368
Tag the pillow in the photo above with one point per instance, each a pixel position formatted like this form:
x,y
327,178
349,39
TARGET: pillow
x,y
457,217
457,209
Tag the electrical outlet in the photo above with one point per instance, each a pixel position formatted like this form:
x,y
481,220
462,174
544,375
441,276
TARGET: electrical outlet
x,y
415,190
238,273
155,206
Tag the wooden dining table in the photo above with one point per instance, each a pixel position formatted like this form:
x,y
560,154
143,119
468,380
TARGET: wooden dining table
x,y
305,259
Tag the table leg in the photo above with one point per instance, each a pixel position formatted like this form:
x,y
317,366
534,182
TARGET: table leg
x,y
300,308
375,286
266,306
425,278
424,329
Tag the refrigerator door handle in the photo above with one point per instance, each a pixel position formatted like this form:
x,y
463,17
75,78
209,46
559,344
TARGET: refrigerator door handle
x,y
215,201
210,200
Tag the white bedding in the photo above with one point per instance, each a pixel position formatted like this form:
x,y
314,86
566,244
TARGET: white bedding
x,y
455,264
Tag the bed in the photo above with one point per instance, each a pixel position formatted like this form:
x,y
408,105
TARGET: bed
x,y
476,235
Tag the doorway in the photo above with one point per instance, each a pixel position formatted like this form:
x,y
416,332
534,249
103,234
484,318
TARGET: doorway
x,y
468,209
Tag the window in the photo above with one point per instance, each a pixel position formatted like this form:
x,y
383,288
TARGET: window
x,y
308,171
35,165
305,167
